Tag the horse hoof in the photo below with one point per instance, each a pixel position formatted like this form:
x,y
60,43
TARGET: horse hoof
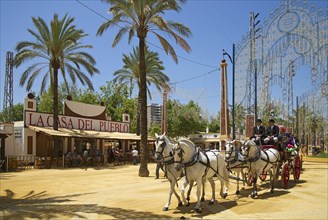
x,y
224,195
252,196
211,203
165,208
198,210
272,191
237,192
202,199
188,204
179,204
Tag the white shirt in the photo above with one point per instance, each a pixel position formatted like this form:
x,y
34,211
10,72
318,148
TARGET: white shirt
x,y
134,153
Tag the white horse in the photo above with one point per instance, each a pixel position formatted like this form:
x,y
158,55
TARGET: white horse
x,y
235,161
164,148
261,160
200,166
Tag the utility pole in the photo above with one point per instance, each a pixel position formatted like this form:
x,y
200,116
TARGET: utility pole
x,y
8,105
164,125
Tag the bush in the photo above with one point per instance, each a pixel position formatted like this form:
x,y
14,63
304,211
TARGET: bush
x,y
321,155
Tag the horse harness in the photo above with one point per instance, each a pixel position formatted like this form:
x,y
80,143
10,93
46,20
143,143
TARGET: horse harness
x,y
194,160
168,162
234,160
258,156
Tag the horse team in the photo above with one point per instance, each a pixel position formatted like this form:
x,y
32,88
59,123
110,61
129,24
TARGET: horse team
x,y
183,160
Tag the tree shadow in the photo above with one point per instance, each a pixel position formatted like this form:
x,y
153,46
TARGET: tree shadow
x,y
41,206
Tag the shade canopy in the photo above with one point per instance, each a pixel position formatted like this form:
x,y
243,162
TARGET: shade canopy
x,y
63,132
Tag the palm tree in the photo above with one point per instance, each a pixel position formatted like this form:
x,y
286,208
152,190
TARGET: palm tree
x,y
59,47
142,17
129,74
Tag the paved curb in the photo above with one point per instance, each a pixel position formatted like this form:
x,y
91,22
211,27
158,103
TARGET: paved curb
x,y
313,159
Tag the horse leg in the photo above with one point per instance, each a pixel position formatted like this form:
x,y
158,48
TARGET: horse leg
x,y
243,177
254,193
213,190
199,188
172,190
182,190
224,180
203,190
191,184
274,172
271,172
237,191
177,196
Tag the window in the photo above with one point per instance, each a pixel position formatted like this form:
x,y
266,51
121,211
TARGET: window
x,y
29,144
30,104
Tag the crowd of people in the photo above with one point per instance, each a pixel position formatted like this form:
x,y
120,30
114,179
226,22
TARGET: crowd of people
x,y
88,156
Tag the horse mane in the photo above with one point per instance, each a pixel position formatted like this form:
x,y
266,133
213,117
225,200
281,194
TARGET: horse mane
x,y
187,141
250,143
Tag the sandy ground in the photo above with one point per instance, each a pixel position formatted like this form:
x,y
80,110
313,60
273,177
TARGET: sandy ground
x,y
118,193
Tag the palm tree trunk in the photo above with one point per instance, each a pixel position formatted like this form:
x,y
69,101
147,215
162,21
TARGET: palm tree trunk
x,y
143,170
55,66
138,119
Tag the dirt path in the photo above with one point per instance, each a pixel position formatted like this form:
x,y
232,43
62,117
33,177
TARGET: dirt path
x,y
117,192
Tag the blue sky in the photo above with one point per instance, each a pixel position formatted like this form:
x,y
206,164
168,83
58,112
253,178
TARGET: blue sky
x,y
215,25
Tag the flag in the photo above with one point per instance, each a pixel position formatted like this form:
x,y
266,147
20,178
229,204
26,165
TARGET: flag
x,y
226,53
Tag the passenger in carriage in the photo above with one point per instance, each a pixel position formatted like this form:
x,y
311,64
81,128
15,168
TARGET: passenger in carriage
x,y
282,139
272,133
258,132
291,144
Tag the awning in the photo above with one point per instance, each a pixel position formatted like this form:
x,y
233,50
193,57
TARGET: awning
x,y
63,132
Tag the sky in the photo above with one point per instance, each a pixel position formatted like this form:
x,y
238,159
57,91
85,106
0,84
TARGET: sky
x,y
215,25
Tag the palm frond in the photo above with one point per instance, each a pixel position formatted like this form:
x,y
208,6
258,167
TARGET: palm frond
x,y
167,47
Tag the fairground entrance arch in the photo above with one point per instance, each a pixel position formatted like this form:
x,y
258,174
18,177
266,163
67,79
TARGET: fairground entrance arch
x,y
295,34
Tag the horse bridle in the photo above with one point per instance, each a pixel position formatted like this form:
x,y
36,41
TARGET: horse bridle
x,y
246,155
230,151
161,152
163,145
180,154
246,149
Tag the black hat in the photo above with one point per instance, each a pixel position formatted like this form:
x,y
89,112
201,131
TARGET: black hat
x,y
259,120
271,120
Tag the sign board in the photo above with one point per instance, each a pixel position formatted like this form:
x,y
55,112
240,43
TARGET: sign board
x,y
69,122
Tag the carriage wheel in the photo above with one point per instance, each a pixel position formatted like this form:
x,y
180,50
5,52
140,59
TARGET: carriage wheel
x,y
249,179
297,168
263,175
285,175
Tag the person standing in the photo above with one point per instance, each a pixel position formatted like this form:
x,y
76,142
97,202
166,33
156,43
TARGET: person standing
x,y
134,156
272,133
159,165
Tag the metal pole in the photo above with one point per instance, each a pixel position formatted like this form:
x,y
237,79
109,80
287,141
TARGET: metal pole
x,y
255,93
297,117
233,93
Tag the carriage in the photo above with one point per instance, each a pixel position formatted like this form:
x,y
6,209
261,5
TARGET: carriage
x,y
290,163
